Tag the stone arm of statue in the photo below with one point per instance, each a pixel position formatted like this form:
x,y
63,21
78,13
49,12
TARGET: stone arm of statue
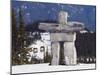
x,y
72,28
54,27
49,26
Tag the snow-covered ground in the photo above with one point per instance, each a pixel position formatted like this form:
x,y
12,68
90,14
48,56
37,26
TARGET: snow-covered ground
x,y
33,68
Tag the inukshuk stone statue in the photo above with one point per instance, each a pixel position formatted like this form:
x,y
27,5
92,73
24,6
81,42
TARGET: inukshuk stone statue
x,y
63,36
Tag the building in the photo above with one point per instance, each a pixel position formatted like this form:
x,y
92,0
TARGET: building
x,y
38,47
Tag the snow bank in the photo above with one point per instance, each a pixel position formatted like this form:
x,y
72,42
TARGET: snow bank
x,y
33,68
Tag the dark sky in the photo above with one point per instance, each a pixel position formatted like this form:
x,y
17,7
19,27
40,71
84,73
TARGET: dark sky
x,y
34,11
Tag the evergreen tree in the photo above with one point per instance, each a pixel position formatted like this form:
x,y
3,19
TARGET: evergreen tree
x,y
14,39
14,31
21,30
22,40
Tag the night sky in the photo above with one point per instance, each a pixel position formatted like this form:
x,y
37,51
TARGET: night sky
x,y
39,11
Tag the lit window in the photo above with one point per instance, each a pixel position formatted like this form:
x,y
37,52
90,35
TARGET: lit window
x,y
42,49
35,50
30,49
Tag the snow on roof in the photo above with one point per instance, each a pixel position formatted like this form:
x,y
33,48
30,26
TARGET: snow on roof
x,y
38,44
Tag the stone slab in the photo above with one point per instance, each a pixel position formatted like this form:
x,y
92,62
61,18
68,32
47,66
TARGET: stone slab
x,y
55,27
69,37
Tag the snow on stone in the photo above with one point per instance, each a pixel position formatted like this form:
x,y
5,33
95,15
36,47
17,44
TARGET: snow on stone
x,y
83,31
75,23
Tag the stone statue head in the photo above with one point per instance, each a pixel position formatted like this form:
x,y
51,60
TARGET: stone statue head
x,y
62,17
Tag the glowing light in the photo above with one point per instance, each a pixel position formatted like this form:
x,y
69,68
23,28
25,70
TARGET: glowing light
x,y
62,7
24,6
27,14
53,9
81,9
58,4
48,12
